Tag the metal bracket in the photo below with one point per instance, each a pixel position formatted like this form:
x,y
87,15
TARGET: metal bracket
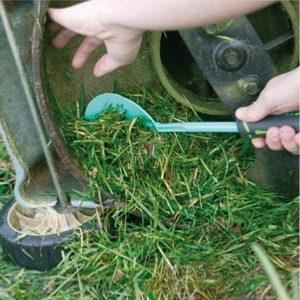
x,y
232,58
41,179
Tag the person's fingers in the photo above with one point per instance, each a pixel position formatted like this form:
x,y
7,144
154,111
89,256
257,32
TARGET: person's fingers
x,y
64,16
280,95
54,27
273,139
254,112
85,12
119,53
259,142
288,139
84,51
63,38
279,139
297,141
105,65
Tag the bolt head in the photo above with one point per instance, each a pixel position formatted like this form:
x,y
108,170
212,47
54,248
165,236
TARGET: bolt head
x,y
231,56
250,85
252,88
211,29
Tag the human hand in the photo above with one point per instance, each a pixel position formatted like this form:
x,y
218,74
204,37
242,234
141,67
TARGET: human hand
x,y
280,95
120,24
90,19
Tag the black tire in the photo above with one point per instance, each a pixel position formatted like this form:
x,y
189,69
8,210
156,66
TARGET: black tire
x,y
39,252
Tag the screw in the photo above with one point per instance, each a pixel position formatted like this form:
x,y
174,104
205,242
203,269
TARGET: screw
x,y
250,85
211,29
252,88
231,56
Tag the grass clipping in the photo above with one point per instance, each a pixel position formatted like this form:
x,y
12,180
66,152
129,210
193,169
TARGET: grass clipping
x,y
193,182
138,165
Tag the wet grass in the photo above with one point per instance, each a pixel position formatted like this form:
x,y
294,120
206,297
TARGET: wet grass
x,y
186,221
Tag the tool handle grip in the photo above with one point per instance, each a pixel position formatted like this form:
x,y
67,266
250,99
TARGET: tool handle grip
x,y
259,129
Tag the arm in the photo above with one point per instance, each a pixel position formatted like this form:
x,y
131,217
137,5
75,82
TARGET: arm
x,y
120,24
154,14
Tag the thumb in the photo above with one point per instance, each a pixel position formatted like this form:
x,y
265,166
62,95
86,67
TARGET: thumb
x,y
254,112
280,95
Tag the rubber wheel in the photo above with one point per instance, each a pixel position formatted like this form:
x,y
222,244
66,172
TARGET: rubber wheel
x,y
33,251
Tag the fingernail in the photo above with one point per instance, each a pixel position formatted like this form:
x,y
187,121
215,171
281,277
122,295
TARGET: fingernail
x,y
241,110
274,136
286,135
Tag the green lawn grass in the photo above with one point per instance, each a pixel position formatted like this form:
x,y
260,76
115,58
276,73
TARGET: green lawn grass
x,y
185,223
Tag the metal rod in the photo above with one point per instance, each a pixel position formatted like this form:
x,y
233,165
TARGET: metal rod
x,y
279,40
62,198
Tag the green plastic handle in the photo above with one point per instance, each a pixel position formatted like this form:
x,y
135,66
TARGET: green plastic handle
x,y
259,129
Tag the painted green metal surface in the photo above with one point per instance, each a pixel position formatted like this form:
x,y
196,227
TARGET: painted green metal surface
x,y
34,185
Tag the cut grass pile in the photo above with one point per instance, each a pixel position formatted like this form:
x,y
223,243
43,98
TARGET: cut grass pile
x,y
198,216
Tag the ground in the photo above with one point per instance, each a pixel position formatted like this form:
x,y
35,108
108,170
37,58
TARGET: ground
x,y
190,219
